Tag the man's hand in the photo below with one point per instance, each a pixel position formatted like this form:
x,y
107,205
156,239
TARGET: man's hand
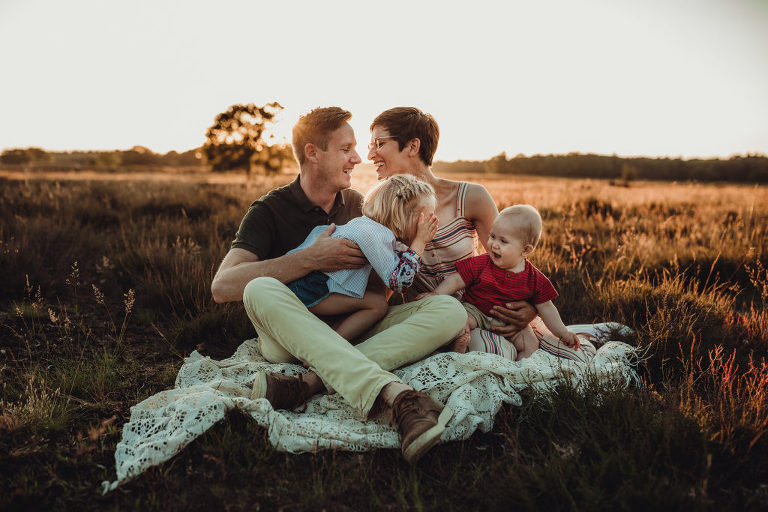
x,y
515,316
329,254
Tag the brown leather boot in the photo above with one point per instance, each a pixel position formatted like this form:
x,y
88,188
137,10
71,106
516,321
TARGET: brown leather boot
x,y
421,420
282,391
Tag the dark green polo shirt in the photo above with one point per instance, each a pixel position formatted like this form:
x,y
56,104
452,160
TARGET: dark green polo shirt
x,y
283,218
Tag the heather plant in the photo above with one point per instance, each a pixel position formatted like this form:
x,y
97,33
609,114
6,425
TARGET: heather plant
x,y
106,290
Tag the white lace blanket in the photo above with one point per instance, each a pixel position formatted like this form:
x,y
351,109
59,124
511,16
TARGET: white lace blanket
x,y
474,385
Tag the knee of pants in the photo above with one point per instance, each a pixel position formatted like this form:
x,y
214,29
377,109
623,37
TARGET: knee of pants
x,y
257,293
450,310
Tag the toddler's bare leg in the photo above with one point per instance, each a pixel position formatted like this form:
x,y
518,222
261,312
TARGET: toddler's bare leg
x,y
364,312
525,342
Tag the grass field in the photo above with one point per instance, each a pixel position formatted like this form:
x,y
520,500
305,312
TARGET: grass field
x,y
105,288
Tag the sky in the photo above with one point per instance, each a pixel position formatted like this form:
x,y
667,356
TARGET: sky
x,y
679,78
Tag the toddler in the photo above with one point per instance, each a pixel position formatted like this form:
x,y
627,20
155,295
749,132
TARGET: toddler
x,y
503,275
397,211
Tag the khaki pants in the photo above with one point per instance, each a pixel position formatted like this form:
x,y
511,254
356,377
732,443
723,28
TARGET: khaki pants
x,y
289,332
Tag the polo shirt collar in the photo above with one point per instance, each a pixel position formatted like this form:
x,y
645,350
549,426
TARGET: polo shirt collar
x,y
303,201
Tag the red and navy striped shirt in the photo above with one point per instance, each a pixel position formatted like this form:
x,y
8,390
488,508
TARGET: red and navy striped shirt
x,y
489,285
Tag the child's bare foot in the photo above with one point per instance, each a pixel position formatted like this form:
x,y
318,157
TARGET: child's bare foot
x,y
461,342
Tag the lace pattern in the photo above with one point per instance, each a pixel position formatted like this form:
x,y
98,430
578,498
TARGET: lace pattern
x,y
475,385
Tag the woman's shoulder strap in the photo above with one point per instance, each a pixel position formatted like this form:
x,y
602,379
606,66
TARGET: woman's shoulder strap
x,y
461,195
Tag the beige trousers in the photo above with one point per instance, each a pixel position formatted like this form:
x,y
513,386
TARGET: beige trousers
x,y
409,332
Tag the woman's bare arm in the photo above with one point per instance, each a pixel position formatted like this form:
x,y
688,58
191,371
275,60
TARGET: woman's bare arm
x,y
480,208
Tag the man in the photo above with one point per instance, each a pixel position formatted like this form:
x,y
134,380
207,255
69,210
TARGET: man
x,y
257,267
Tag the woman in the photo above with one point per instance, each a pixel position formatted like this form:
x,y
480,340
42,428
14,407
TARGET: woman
x,y
404,140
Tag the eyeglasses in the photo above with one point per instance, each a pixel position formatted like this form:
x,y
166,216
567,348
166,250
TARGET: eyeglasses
x,y
377,142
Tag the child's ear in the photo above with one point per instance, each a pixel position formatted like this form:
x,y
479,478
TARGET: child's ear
x,y
527,250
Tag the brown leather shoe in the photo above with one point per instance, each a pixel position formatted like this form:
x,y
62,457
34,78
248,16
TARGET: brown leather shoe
x,y
421,420
282,391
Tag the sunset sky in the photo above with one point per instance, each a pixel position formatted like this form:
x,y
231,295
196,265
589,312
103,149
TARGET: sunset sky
x,y
643,77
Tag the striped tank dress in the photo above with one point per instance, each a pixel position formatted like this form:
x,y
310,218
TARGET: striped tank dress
x,y
453,241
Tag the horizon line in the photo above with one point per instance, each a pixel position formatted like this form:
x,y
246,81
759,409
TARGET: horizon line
x,y
747,154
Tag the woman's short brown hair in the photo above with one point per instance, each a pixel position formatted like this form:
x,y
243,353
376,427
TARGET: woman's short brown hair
x,y
407,123
316,127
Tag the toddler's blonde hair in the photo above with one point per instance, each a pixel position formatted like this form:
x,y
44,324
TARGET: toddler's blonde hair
x,y
526,222
393,202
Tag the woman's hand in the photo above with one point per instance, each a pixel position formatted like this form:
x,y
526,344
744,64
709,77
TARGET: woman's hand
x,y
516,315
424,295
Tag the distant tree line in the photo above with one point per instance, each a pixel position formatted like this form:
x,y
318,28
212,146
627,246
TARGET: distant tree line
x,y
137,156
746,169
236,141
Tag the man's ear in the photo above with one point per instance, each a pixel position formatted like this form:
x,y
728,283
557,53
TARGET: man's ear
x,y
310,151
413,146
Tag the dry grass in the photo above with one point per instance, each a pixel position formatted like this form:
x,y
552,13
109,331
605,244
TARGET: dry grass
x,y
105,289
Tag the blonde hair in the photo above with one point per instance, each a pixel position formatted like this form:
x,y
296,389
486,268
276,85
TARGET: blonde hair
x,y
393,202
526,220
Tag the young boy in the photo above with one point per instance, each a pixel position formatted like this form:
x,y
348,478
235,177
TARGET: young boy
x,y
503,275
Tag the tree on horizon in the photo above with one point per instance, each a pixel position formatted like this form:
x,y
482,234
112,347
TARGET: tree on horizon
x,y
236,140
